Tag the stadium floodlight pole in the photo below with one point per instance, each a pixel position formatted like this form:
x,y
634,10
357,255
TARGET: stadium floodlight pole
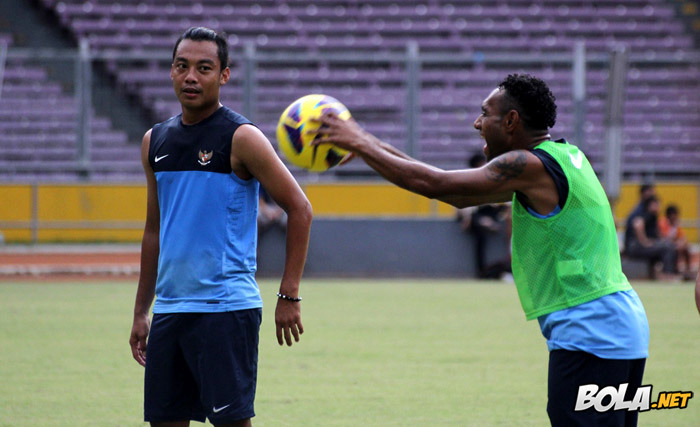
x,y
614,114
579,93
412,96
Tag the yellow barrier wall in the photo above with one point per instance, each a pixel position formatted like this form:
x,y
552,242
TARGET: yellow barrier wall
x,y
94,212
378,199
16,205
90,203
74,213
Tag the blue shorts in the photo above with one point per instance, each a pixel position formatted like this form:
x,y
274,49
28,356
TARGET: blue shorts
x,y
202,365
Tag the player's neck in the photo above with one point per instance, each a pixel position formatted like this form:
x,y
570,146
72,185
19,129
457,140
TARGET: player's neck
x,y
192,116
534,140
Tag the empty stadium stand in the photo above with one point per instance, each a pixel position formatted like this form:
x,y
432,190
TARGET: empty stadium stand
x,y
38,121
354,50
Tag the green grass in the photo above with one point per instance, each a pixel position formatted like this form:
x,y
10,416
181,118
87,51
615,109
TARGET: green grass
x,y
375,353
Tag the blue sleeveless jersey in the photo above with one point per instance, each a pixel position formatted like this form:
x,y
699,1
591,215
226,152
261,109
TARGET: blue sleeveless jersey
x,y
208,218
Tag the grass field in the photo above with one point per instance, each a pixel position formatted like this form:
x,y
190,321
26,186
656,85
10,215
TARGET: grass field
x,y
375,353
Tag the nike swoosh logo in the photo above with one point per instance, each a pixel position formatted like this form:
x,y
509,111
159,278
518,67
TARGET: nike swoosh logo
x,y
158,159
577,160
217,410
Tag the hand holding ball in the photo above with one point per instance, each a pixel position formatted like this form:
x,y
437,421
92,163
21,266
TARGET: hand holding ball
x,y
295,133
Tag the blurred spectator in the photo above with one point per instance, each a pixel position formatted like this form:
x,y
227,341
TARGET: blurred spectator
x,y
269,213
645,192
487,222
643,240
669,228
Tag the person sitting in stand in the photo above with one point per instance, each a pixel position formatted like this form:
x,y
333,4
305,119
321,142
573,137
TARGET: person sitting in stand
x,y
670,229
643,240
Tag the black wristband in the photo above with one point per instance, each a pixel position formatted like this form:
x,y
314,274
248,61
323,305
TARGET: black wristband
x,y
282,296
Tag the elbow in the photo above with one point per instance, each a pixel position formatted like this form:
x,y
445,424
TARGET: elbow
x,y
308,211
302,212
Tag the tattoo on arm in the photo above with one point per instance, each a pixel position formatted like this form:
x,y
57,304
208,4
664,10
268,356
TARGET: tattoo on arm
x,y
507,166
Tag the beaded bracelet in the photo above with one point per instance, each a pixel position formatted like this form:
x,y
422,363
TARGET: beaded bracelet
x,y
279,295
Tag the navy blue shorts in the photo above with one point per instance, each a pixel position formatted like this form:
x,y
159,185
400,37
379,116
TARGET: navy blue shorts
x,y
202,365
570,369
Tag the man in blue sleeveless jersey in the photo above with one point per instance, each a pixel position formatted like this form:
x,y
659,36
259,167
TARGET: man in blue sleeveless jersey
x,y
566,260
198,255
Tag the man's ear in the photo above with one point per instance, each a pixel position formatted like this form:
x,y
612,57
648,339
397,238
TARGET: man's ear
x,y
511,118
224,76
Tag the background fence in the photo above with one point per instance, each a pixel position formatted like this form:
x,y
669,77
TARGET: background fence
x,y
80,114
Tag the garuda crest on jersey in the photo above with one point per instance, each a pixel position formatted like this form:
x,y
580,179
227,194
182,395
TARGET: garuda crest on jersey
x,y
205,157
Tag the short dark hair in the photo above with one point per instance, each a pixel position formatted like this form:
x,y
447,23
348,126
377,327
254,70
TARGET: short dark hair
x,y
531,98
206,34
671,210
645,187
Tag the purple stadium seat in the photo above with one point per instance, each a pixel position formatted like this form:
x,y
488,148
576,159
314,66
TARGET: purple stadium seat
x,y
37,126
662,100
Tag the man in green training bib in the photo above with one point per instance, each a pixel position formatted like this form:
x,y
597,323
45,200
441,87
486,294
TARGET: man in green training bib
x,y
566,260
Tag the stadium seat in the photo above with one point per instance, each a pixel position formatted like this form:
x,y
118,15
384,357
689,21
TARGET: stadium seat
x,y
38,123
659,93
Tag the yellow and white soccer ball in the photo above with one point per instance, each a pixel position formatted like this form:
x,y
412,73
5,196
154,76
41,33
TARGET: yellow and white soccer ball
x,y
295,133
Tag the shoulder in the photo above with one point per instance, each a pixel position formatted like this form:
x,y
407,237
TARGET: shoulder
x,y
146,140
164,127
171,122
248,134
250,147
233,117
551,164
146,149
237,126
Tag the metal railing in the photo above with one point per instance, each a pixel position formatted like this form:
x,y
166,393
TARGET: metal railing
x,y
409,111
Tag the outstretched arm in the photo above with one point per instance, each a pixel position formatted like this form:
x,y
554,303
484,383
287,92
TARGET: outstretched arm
x,y
150,247
495,182
253,152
